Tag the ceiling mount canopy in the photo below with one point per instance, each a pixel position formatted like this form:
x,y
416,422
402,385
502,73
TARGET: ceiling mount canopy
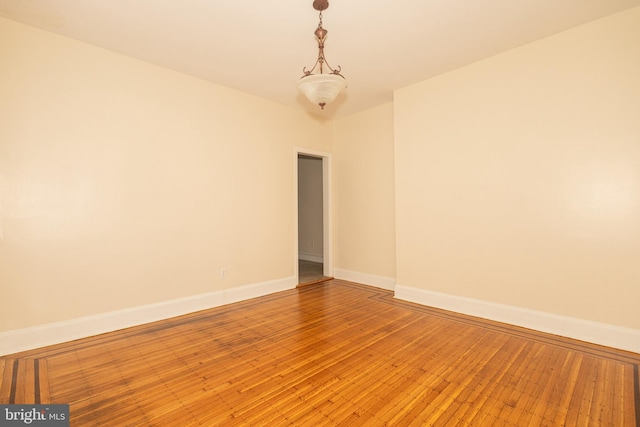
x,y
322,87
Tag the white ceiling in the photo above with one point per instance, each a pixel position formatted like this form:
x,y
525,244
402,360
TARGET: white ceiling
x,y
261,46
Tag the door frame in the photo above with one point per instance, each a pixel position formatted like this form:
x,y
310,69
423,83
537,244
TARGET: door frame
x,y
327,220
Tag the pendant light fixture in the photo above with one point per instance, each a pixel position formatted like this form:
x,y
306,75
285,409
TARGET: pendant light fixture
x,y
321,88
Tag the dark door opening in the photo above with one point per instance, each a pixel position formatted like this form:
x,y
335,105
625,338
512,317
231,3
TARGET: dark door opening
x,y
311,225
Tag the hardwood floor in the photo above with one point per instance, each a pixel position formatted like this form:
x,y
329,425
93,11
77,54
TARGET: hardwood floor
x,y
334,353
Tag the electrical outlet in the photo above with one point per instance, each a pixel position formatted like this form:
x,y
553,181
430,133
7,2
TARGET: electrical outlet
x,y
223,273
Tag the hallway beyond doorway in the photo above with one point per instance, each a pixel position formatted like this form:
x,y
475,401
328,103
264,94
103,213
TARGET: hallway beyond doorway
x,y
310,272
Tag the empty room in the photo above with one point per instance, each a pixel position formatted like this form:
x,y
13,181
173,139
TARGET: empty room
x,y
320,213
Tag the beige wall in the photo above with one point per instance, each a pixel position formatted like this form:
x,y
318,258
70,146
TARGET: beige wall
x,y
364,208
518,177
124,184
516,180
310,209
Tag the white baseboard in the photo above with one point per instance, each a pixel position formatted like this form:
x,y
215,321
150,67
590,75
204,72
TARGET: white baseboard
x,y
570,327
39,336
54,333
310,257
366,279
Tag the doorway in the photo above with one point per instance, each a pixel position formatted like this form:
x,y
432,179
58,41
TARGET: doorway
x,y
313,236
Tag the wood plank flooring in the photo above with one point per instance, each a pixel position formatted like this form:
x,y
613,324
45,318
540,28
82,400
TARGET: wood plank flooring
x,y
334,353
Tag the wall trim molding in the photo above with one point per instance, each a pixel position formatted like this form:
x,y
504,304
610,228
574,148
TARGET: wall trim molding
x,y
382,282
310,257
18,340
570,327
30,338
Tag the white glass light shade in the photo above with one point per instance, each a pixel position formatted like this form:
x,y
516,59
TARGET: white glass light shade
x,y
322,89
